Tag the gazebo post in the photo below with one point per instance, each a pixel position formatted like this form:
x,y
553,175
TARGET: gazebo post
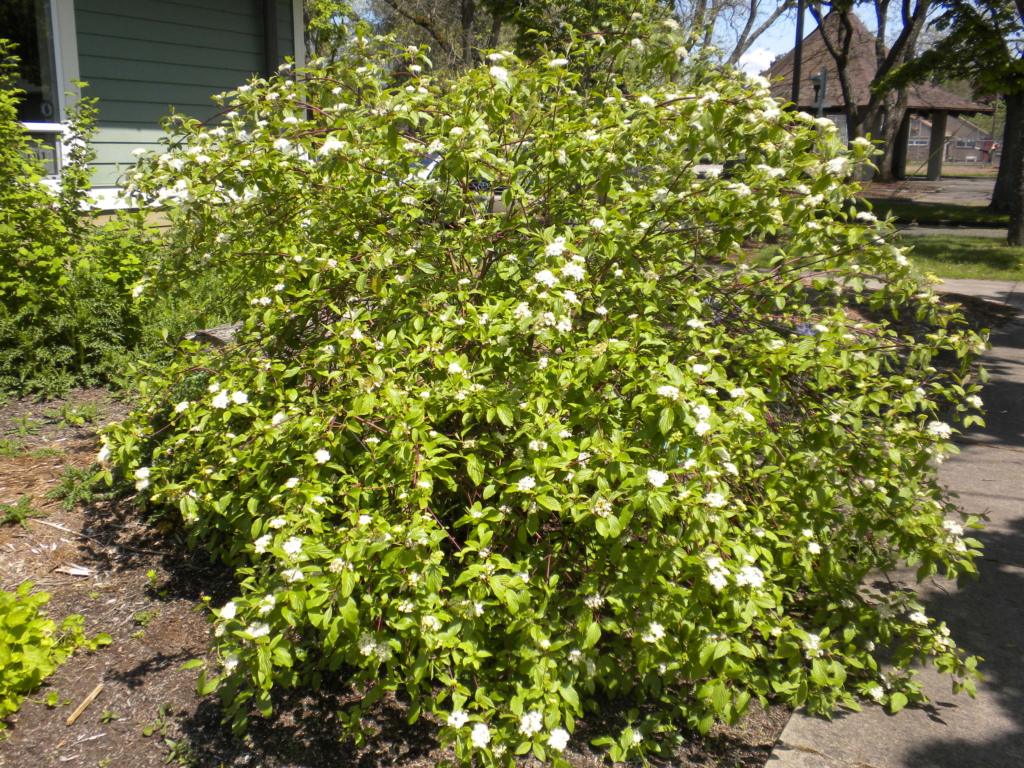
x,y
901,149
937,145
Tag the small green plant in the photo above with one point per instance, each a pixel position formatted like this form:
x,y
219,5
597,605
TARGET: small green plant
x,y
53,700
162,722
153,578
143,618
109,716
47,453
24,426
138,635
74,415
11,448
19,513
75,485
181,750
94,595
31,646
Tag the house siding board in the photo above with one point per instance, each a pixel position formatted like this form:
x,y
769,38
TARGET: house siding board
x,y
108,68
237,16
285,38
145,57
113,146
198,32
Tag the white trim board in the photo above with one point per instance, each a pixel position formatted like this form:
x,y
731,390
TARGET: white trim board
x,y
65,53
298,33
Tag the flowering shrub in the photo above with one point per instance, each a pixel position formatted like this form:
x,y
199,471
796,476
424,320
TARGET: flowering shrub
x,y
514,446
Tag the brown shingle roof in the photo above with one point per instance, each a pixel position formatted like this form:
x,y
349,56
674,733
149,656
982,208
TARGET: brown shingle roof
x,y
862,68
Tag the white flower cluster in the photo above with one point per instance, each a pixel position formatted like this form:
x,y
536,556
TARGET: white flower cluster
x,y
654,633
531,723
368,646
812,645
656,477
602,508
669,392
718,575
556,247
750,576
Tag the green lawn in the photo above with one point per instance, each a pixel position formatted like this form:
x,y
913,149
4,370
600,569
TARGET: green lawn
x,y
983,258
906,211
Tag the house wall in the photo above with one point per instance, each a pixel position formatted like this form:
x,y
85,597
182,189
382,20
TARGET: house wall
x,y
143,58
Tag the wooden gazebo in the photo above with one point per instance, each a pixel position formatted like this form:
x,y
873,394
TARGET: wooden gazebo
x,y
924,98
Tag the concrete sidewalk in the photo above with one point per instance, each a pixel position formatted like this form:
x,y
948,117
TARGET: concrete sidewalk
x,y
986,617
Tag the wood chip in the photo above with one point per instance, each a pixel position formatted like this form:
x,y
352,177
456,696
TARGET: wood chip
x,y
90,738
88,700
74,570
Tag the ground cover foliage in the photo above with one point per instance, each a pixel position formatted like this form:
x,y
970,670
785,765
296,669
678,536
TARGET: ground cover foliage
x,y
66,313
31,645
513,460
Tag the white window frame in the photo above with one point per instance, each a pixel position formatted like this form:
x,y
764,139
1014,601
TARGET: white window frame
x,y
65,53
65,64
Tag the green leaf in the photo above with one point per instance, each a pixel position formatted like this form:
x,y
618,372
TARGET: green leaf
x,y
897,701
666,420
505,415
475,469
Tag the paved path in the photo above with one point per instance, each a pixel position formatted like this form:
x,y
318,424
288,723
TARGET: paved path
x,y
986,616
954,231
964,191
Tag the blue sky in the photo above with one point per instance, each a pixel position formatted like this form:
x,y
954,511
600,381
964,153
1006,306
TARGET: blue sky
x,y
777,40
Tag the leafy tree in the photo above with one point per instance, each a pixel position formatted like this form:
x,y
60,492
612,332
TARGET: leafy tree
x,y
882,115
981,44
326,28
526,432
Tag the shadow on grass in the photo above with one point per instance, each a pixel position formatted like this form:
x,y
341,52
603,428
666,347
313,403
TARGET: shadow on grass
x,y
906,211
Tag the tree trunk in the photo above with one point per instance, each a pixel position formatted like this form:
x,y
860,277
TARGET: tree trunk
x,y
468,14
1013,149
1015,163
492,41
892,116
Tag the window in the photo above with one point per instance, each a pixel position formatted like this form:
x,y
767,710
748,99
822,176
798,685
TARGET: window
x,y
965,143
28,24
918,142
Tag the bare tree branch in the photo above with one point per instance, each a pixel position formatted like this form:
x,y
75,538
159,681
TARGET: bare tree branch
x,y
424,22
747,38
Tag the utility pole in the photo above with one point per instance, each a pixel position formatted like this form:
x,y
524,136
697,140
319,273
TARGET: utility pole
x,y
798,53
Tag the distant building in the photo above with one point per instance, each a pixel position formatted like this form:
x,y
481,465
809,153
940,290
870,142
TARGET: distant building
x,y
965,142
944,112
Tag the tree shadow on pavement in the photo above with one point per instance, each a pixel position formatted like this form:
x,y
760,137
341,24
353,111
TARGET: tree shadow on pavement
x,y
986,616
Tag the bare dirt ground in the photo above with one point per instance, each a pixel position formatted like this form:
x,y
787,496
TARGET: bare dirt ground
x,y
156,628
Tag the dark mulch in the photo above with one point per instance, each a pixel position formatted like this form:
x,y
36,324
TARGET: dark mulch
x,y
156,628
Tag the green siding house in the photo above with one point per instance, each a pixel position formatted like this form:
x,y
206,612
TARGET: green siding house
x,y
140,59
